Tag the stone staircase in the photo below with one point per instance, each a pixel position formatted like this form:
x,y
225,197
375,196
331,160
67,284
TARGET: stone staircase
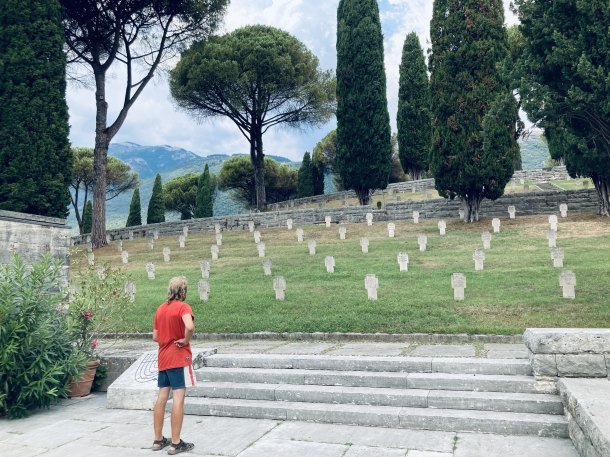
x,y
449,394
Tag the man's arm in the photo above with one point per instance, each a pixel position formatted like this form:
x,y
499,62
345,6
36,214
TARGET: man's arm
x,y
189,329
155,335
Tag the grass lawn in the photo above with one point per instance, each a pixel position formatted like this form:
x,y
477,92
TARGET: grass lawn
x,y
572,184
519,287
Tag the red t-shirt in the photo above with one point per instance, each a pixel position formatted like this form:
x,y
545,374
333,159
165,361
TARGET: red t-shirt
x,y
170,328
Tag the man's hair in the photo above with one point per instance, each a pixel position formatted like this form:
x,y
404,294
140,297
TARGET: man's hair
x,y
177,289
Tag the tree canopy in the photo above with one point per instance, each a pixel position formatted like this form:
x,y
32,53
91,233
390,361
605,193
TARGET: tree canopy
x,y
565,70
134,218
474,113
237,174
180,195
305,187
35,159
204,206
364,151
156,204
258,77
140,35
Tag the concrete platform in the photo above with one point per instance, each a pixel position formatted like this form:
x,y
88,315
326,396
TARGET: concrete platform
x,y
85,427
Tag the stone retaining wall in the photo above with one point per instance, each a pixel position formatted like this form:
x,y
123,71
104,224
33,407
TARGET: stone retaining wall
x,y
31,236
579,201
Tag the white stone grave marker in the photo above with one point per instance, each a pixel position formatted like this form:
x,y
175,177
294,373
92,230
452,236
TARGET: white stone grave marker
x,y
327,221
371,284
557,255
156,234
267,264
311,245
462,214
130,291
289,224
214,250
261,249
369,219
495,223
219,239
166,254
119,245
204,290
251,226
342,232
279,286
257,236
185,231
422,240
585,184
150,243
391,229
217,228
486,238
131,235
364,245
458,283
416,217
403,261
181,240
512,211
91,259
204,266
329,262
563,209
551,235
108,238
300,235
89,246
567,280
125,256
442,227
553,222
101,272
479,259
150,270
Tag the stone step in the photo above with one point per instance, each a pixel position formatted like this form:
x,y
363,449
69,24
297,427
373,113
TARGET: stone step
x,y
427,381
416,398
465,365
504,423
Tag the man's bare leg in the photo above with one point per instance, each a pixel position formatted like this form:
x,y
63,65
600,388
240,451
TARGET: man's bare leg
x,y
159,412
177,414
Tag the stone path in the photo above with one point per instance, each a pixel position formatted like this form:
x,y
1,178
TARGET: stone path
x,y
85,427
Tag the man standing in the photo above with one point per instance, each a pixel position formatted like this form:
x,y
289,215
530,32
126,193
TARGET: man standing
x,y
173,329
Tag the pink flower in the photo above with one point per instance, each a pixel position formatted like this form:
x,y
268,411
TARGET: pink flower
x,y
94,344
87,315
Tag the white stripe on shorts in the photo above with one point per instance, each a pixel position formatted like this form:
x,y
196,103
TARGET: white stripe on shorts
x,y
189,376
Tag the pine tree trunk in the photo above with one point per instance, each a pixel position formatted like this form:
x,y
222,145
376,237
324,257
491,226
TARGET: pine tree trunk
x,y
364,196
258,161
602,186
472,207
100,157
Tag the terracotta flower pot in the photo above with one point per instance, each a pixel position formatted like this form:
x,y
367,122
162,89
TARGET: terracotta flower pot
x,y
82,386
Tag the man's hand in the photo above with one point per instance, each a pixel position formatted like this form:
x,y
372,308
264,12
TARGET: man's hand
x,y
181,342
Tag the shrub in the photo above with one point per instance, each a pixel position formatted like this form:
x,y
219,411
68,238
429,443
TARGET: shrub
x,y
37,354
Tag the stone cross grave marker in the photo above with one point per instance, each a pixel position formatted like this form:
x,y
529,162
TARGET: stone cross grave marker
x,y
150,270
217,228
553,222
567,280
329,263
513,186
403,261
551,235
563,209
369,219
101,272
458,283
557,255
119,245
442,227
279,286
342,232
371,284
108,238
89,246
130,290
416,217
390,192
289,224
204,290
422,240
486,238
166,254
181,240
125,256
585,184
311,245
327,221
219,239
257,236
267,264
512,211
204,266
91,259
251,226
214,250
156,234
261,249
495,223
479,259
130,235
150,243
185,231
364,245
391,229
300,235
462,214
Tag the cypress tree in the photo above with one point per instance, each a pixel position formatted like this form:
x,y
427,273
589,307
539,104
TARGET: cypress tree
x,y
364,151
471,156
135,210
305,186
87,217
204,205
414,121
156,204
35,158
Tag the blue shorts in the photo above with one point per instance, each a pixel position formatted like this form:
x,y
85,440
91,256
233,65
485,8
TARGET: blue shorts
x,y
177,378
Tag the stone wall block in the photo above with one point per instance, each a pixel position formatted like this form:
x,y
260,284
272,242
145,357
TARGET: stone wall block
x,y
543,365
581,365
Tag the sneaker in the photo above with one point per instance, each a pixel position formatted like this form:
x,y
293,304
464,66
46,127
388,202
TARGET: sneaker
x,y
180,447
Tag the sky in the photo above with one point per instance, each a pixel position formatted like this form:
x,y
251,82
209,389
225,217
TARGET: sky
x,y
154,119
